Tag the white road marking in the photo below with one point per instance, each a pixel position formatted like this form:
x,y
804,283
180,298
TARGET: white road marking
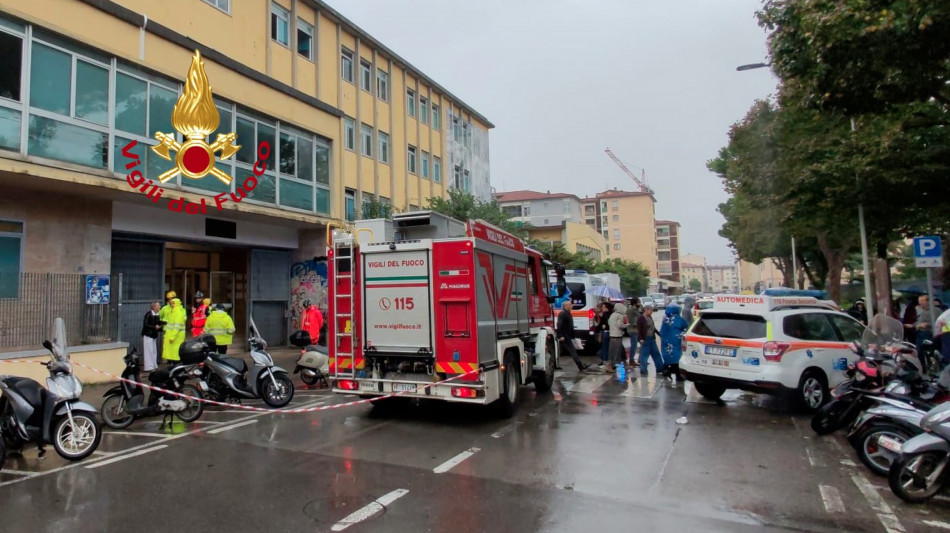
x,y
832,499
795,423
18,472
133,448
837,445
934,523
644,387
127,456
104,454
215,431
885,515
590,383
136,434
848,462
455,461
370,510
811,458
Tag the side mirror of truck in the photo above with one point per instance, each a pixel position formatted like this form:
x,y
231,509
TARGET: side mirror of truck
x,y
551,299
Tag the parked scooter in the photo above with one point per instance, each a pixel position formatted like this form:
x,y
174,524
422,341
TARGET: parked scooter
x,y
894,418
313,365
920,472
127,401
31,414
229,378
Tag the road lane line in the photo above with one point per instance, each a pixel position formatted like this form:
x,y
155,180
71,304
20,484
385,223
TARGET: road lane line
x,y
133,448
136,434
215,431
590,383
18,472
455,461
885,515
127,456
848,462
832,499
934,523
370,510
811,458
105,454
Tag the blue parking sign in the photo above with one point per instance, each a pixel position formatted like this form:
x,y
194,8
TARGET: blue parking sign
x,y
928,252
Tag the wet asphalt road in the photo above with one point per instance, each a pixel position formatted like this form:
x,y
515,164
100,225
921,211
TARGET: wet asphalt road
x,y
596,454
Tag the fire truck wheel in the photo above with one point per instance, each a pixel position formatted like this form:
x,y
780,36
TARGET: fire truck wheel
x,y
543,381
508,403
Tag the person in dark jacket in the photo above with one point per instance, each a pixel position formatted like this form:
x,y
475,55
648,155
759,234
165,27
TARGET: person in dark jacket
x,y
646,330
565,334
151,327
859,312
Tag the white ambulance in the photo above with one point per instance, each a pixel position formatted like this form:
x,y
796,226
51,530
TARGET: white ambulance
x,y
769,344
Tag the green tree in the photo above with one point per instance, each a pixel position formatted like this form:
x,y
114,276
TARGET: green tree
x,y
695,285
375,208
463,206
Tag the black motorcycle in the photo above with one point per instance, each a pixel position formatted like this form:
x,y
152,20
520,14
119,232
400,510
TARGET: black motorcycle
x,y
31,414
127,401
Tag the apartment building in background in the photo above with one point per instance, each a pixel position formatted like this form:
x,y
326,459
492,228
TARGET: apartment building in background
x,y
553,218
346,118
626,220
723,278
758,277
667,250
692,267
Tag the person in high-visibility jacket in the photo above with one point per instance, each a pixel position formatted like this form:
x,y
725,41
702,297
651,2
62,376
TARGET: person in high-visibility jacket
x,y
163,312
221,326
199,317
174,331
312,322
942,332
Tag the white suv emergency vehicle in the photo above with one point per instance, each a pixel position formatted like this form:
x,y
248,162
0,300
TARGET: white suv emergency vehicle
x,y
769,344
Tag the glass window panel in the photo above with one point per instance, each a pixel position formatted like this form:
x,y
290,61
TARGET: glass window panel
x,y
245,137
15,26
224,126
349,133
267,134
11,57
9,266
322,164
92,93
304,39
266,189
65,142
161,102
293,194
9,129
50,77
210,183
119,161
288,154
130,108
323,201
346,65
304,159
156,165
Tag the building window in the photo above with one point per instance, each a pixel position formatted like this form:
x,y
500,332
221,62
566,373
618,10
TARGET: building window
x,y
614,205
305,39
606,234
457,180
223,5
663,256
567,206
456,129
350,205
382,84
346,62
466,182
425,164
665,243
349,133
466,133
383,147
436,169
11,252
615,218
424,109
616,246
366,76
366,133
410,102
279,24
436,118
11,57
412,159
616,234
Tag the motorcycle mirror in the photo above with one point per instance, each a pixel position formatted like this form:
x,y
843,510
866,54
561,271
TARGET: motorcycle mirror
x,y
48,345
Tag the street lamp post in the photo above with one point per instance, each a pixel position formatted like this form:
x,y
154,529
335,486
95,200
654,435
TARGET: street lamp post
x,y
864,239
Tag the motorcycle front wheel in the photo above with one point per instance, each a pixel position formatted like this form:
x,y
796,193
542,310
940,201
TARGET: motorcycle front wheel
x,y
77,440
280,395
195,407
829,417
916,478
113,412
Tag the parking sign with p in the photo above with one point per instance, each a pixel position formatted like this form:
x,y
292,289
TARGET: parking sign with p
x,y
928,252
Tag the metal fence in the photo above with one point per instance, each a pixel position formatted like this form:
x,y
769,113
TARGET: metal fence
x,y
26,319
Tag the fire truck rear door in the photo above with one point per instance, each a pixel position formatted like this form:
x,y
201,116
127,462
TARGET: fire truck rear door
x,y
397,301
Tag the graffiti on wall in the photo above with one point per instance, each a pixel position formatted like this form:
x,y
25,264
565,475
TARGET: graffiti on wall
x,y
308,282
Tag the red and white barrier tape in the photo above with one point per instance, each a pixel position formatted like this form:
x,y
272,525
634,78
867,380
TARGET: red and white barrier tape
x,y
263,409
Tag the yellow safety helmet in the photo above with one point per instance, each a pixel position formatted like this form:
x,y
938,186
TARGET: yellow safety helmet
x,y
206,301
170,294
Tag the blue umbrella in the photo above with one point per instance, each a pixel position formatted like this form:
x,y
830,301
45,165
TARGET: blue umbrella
x,y
605,291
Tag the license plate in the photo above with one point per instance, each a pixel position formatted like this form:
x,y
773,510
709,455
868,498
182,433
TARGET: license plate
x,y
404,387
203,386
368,385
889,444
721,350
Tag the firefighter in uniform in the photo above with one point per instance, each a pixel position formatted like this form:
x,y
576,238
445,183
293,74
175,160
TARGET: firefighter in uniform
x,y
174,330
221,326
199,317
163,312
312,322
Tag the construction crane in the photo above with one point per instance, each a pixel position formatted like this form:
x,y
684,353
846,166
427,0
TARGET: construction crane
x,y
641,181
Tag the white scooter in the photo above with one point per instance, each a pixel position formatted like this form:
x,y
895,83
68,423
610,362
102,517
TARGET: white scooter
x,y
313,365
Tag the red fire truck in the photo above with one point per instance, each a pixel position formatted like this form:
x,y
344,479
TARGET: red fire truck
x,y
421,298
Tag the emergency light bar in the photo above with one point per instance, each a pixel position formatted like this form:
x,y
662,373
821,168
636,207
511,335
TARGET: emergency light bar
x,y
763,303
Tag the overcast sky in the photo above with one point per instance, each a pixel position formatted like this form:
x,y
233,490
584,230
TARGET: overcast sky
x,y
561,80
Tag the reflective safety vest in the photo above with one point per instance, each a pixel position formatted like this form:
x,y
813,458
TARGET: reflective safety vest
x,y
221,326
175,323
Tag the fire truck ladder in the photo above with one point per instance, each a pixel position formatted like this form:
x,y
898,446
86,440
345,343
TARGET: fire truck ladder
x,y
343,299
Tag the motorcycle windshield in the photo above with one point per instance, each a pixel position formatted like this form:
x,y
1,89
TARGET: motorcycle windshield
x,y
882,330
59,341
